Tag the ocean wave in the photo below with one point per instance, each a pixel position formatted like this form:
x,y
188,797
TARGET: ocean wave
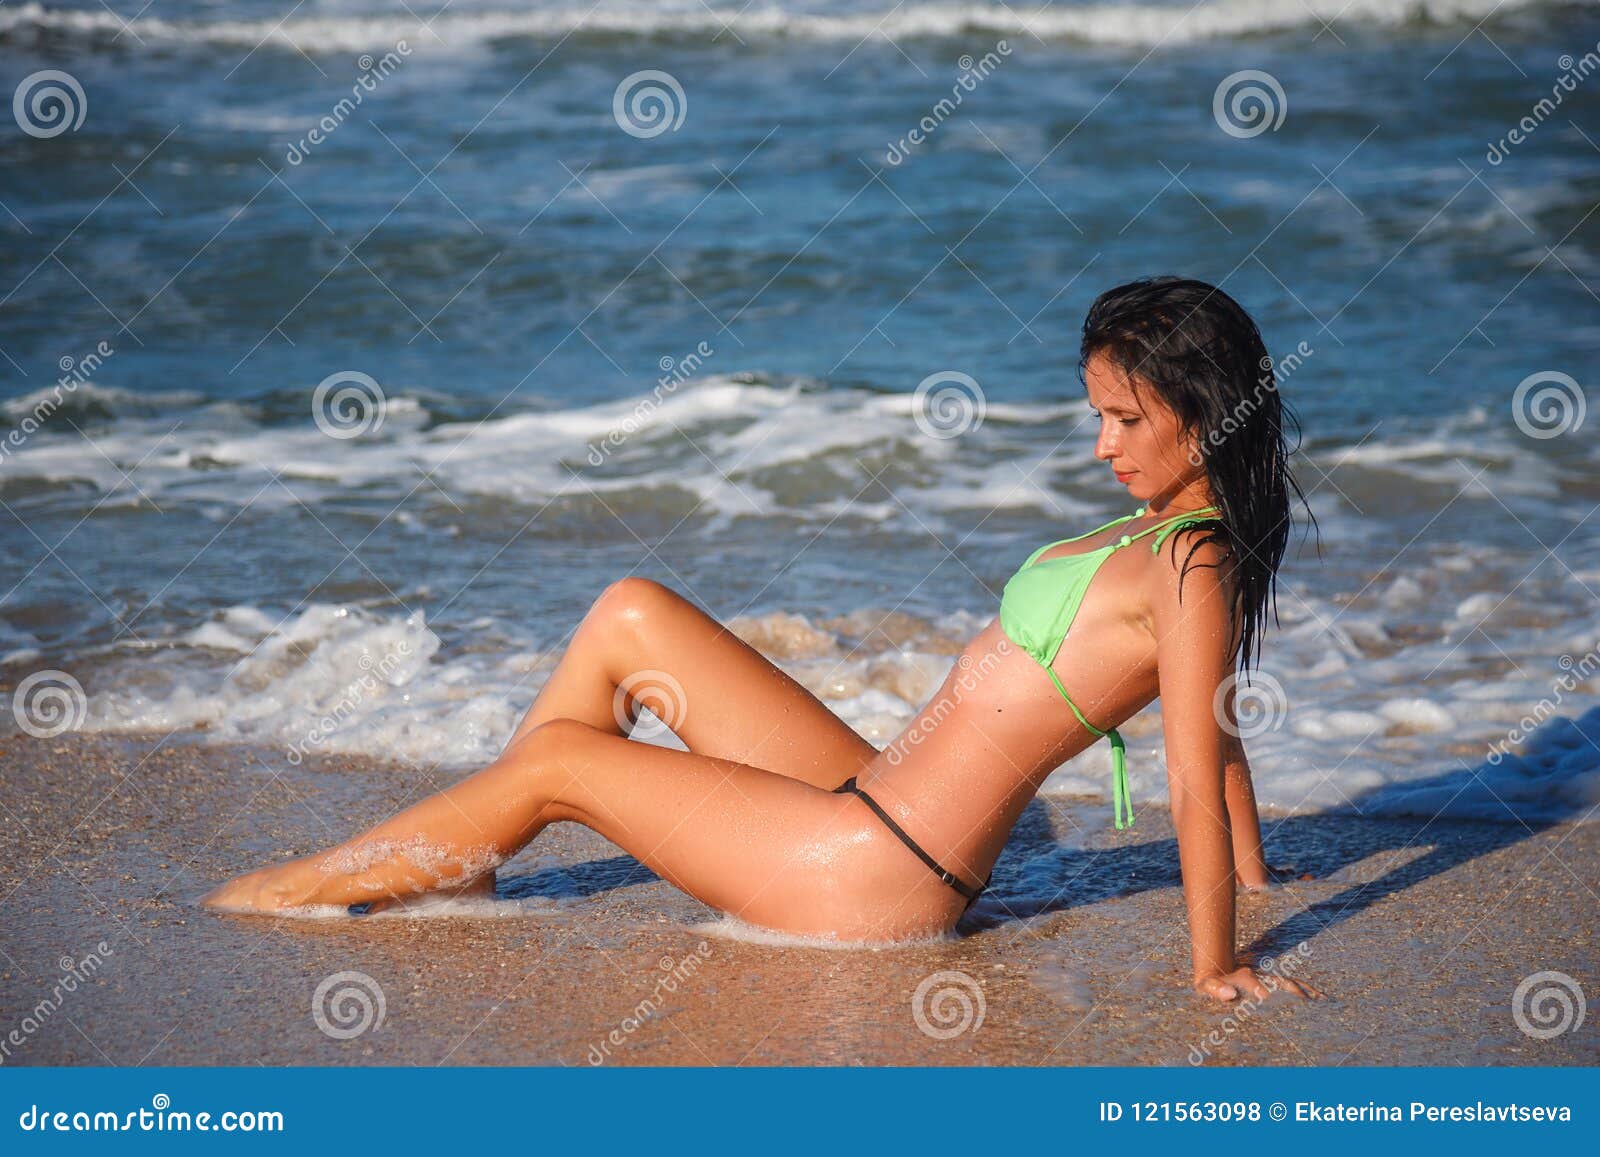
x,y
735,447
732,445
1423,732
1127,25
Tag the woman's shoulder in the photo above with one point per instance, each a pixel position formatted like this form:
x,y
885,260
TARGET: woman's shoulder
x,y
1193,561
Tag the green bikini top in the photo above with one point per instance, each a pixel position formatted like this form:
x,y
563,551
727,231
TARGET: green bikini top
x,y
1042,599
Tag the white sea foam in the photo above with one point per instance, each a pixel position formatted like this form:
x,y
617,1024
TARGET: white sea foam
x,y
764,448
729,928
1143,25
1394,699
1422,728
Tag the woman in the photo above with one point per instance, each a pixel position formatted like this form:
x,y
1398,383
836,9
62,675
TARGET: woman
x,y
780,814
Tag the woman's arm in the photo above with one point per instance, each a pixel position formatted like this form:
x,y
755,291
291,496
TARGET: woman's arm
x,y
1250,866
1194,651
1192,656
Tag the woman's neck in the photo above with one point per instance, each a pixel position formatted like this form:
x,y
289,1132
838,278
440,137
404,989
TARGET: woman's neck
x,y
1182,500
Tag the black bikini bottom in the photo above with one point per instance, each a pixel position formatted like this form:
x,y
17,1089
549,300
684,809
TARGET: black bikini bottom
x,y
849,787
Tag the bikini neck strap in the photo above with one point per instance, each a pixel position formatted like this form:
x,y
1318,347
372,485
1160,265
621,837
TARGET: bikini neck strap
x,y
1168,526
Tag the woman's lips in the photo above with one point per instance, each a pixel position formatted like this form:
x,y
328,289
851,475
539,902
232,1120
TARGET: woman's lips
x,y
1124,477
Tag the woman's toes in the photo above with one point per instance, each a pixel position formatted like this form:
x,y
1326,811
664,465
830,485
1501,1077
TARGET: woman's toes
x,y
264,890
234,896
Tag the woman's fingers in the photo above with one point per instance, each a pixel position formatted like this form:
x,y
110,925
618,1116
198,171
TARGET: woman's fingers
x,y
1304,988
1216,988
1246,981
1252,984
1300,988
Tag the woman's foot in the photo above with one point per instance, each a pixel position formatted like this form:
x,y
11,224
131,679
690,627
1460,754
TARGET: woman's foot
x,y
480,888
271,889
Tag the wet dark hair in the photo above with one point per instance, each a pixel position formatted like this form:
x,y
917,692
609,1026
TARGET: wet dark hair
x,y
1204,357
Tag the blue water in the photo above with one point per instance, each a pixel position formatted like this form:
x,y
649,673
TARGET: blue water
x,y
481,237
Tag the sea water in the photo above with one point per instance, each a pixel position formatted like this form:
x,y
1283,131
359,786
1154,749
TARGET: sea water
x,y
568,344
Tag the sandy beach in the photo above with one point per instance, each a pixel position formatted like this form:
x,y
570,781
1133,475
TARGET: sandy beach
x,y
1419,932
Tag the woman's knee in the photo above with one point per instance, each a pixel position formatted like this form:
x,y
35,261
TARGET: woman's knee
x,y
556,744
632,601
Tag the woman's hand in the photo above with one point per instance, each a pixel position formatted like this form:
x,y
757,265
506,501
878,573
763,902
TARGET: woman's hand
x,y
1247,981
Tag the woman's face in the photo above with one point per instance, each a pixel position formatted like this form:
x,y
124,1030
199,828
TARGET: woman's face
x,y
1139,436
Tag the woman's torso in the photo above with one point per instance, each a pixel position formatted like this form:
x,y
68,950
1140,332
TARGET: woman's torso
x,y
979,749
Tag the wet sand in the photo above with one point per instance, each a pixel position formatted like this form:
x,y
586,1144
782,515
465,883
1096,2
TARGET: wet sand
x,y
1419,932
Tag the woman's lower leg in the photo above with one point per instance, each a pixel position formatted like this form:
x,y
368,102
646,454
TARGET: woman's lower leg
x,y
445,841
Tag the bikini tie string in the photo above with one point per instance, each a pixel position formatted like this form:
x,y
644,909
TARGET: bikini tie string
x,y
1121,801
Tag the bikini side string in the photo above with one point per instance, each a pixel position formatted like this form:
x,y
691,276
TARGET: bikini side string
x,y
1121,799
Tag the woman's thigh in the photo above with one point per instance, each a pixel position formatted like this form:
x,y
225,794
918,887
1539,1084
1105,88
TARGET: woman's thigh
x,y
719,694
753,843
